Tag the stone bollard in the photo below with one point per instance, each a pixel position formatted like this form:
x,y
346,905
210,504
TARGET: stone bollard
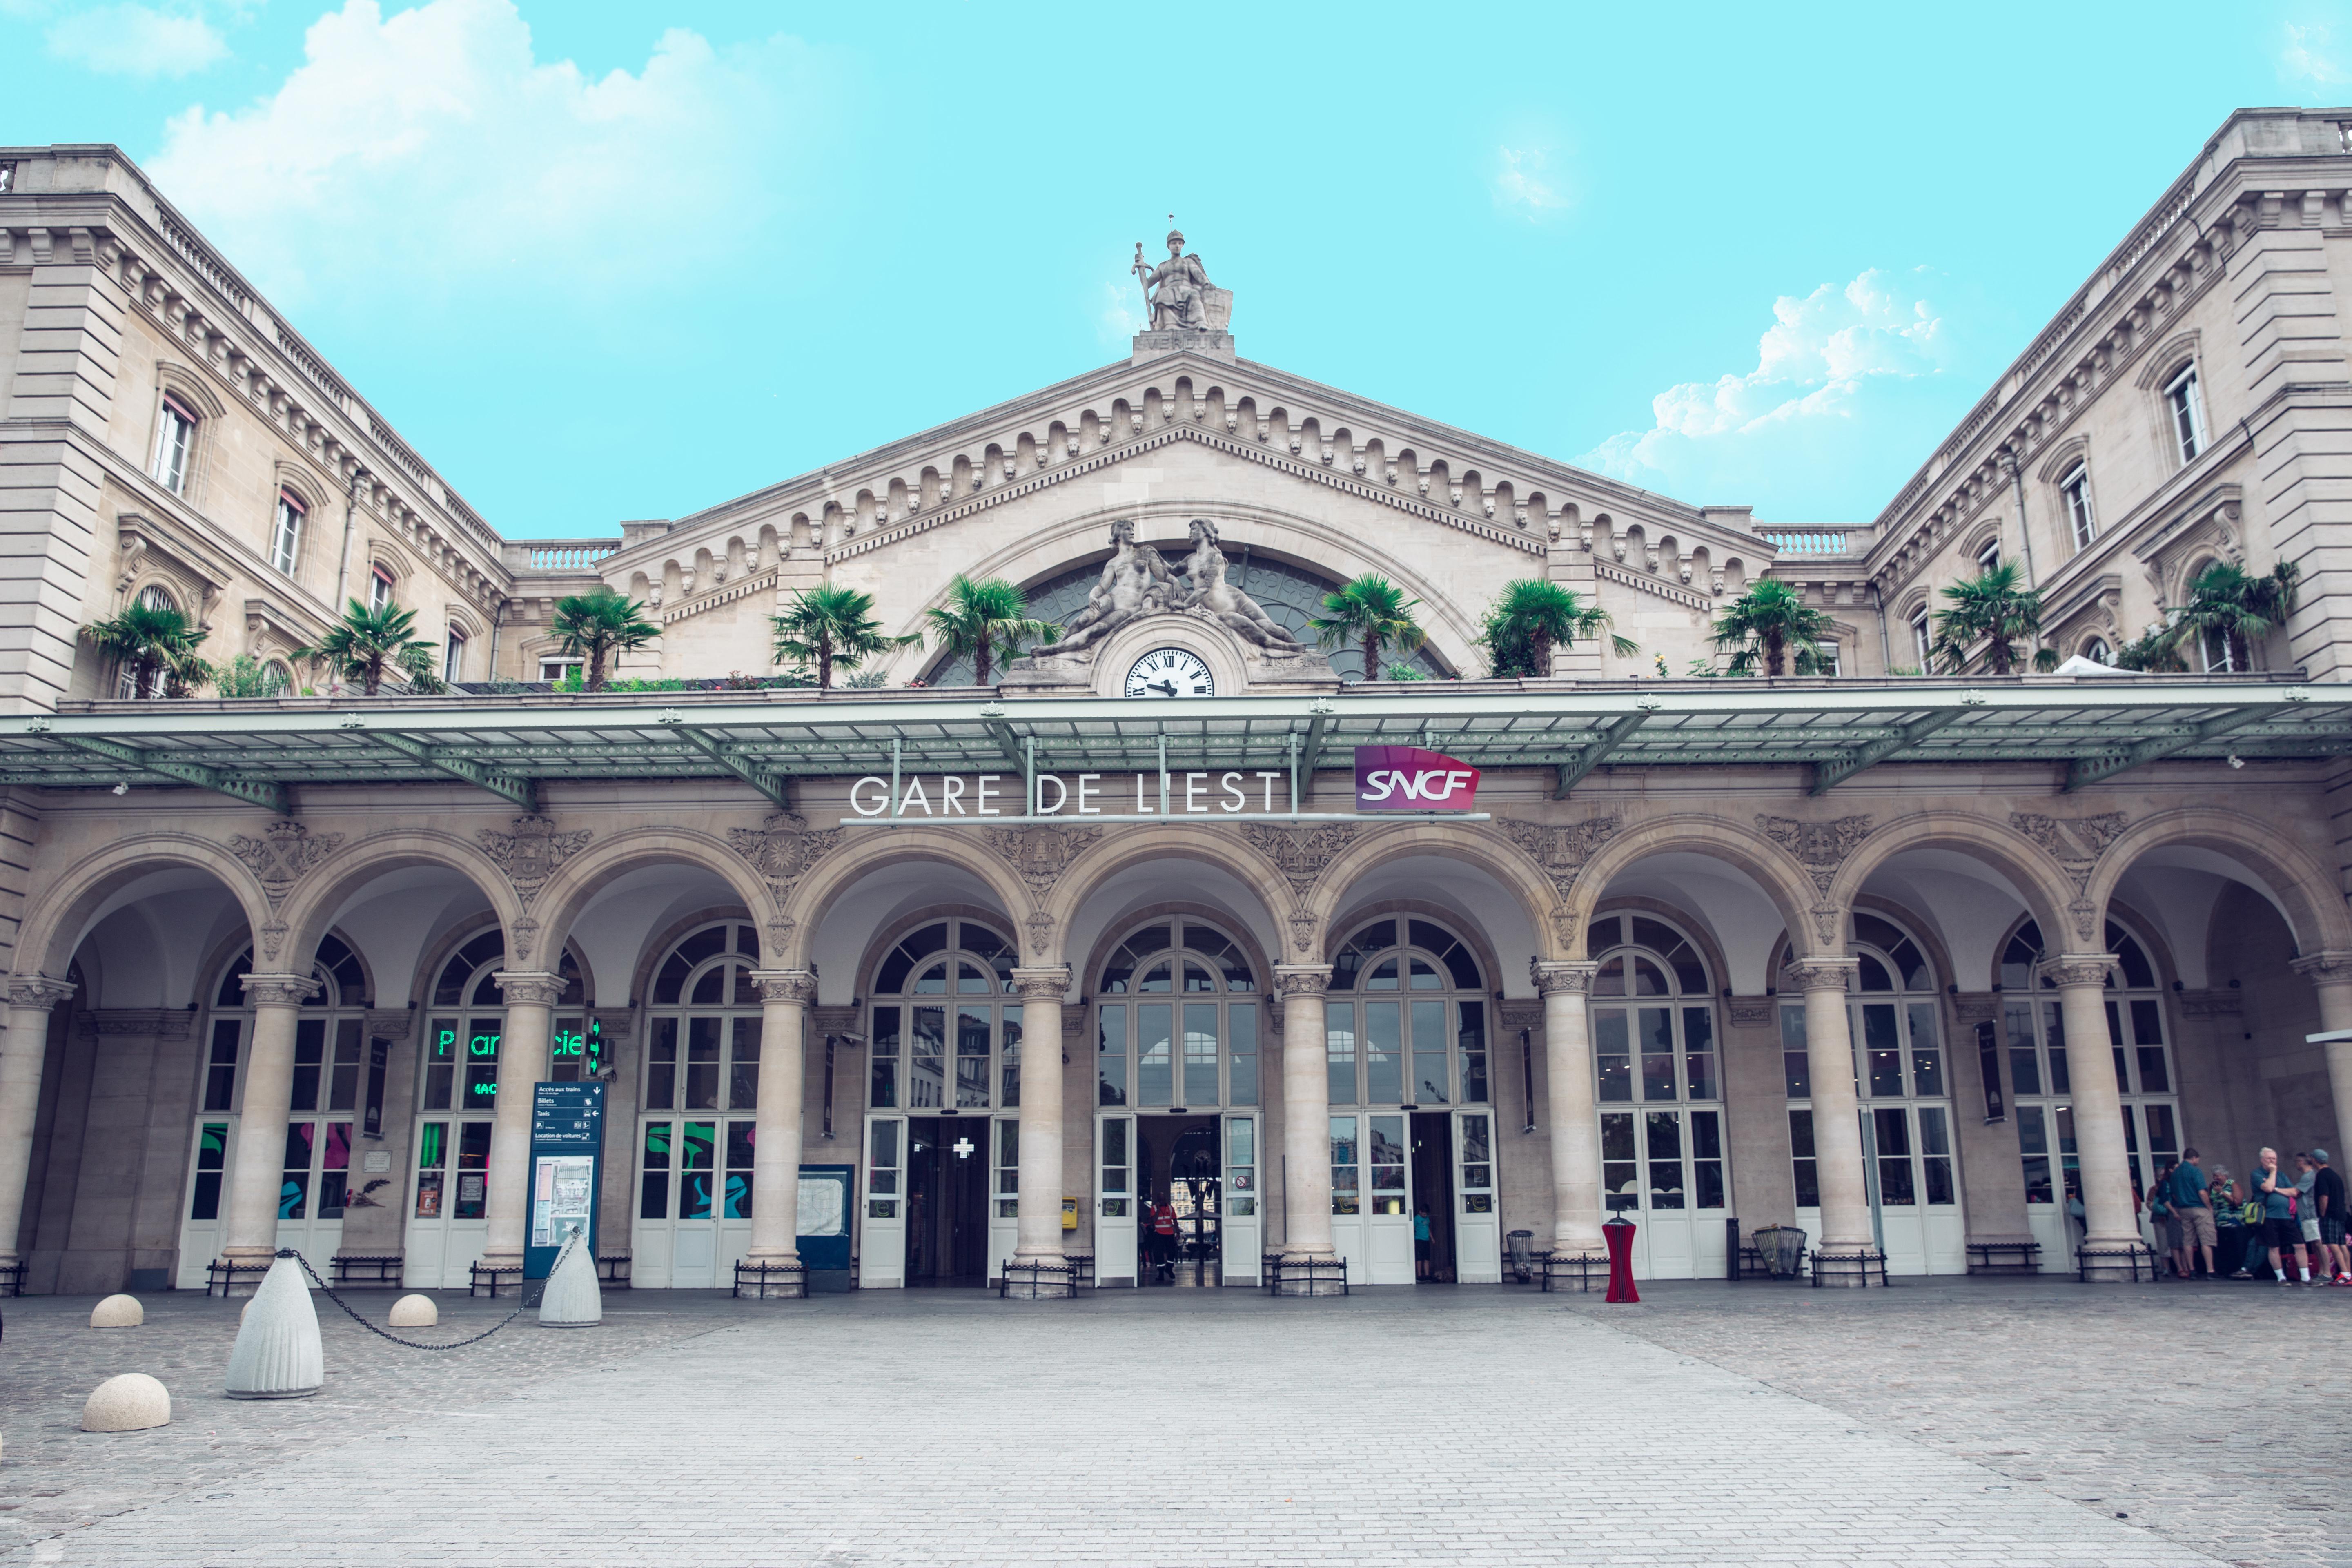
x,y
278,1356
130,1403
117,1312
414,1313
571,1299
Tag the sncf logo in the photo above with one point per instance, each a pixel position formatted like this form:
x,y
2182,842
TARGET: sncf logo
x,y
1406,778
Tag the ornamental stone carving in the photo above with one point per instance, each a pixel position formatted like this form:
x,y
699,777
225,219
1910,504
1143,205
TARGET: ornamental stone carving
x,y
38,990
1753,1012
1519,1012
1040,854
1040,927
528,989
284,852
2075,843
1821,847
1561,851
780,935
1305,930
2219,1002
270,938
1827,920
142,1023
522,936
2076,968
1042,984
1301,979
1554,977
279,990
839,1023
1971,1009
2325,968
782,849
392,1023
1820,974
785,985
532,852
1300,853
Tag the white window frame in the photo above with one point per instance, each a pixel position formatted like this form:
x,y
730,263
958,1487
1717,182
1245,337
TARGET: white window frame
x,y
2184,405
556,666
381,583
1923,639
453,655
1989,558
286,532
154,596
2074,494
2097,651
175,444
1831,650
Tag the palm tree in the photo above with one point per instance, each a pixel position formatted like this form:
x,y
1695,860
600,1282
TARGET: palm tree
x,y
1770,624
1372,613
2231,605
1531,616
2155,651
983,619
1990,609
600,623
366,643
156,644
834,626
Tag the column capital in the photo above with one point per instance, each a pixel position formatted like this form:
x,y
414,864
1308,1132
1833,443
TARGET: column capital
x,y
38,992
785,985
527,988
1822,974
1572,975
279,990
1048,983
1302,979
2071,969
2325,968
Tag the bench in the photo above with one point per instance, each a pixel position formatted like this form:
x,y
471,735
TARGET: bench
x,y
1037,1280
1863,1269
1300,1273
2115,1261
222,1278
1554,1270
2015,1256
613,1271
1083,1268
12,1278
772,1282
379,1269
503,1280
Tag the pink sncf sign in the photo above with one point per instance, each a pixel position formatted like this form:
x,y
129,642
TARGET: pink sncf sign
x,y
1406,778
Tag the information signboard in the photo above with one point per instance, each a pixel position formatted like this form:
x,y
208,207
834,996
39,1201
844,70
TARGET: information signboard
x,y
567,1150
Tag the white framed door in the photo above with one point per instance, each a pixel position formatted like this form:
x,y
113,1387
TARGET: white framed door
x,y
1371,1196
1115,1198
1478,1218
882,1242
313,1182
694,1202
1004,1193
1243,1224
448,1217
1664,1168
200,1228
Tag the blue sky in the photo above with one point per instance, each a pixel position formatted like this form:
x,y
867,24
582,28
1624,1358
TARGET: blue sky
x,y
605,261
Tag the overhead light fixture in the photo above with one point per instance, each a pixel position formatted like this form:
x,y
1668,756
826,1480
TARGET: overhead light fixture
x,y
121,788
2236,760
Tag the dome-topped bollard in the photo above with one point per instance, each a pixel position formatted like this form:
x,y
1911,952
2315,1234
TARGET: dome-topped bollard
x,y
117,1312
277,1355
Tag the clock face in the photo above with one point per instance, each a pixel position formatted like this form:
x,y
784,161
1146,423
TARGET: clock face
x,y
1170,672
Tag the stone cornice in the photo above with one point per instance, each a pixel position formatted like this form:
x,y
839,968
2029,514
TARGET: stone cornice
x,y
2072,969
278,990
1570,978
786,984
1301,979
38,990
1821,973
528,990
144,1023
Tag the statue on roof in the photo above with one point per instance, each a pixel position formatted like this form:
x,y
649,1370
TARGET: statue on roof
x,y
1134,582
1206,590
1177,293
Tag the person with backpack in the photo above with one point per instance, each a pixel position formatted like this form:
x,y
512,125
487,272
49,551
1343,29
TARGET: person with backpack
x,y
2281,1234
2192,1215
2164,1227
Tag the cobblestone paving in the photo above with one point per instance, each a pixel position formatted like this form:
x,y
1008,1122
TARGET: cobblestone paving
x,y
2217,1414
1714,1424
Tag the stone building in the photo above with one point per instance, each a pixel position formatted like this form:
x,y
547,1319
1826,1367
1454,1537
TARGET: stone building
x,y
985,975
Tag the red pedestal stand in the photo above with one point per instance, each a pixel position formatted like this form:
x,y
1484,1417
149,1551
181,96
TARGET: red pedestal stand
x,y
1620,1233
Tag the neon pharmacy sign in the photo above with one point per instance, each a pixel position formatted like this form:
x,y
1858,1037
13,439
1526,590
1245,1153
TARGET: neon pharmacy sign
x,y
1388,779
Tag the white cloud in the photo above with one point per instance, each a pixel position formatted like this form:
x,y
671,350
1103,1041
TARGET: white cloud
x,y
1521,181
2304,58
1831,369
134,40
1121,316
431,150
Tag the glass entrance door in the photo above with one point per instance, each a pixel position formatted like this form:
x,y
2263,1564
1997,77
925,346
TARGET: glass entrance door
x,y
448,1223
1371,1197
882,1247
694,1200
1115,1199
947,1169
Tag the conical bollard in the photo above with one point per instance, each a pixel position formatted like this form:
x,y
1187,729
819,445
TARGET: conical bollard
x,y
277,1355
571,1299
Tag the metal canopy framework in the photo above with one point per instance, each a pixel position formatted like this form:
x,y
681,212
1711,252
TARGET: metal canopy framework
x,y
514,746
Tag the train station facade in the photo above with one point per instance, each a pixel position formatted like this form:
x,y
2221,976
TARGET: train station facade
x,y
927,983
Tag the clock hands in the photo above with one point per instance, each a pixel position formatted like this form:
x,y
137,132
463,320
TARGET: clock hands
x,y
1166,686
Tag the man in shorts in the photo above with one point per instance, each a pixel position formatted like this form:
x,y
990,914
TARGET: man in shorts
x,y
2281,1234
2327,1198
2194,1214
2306,1216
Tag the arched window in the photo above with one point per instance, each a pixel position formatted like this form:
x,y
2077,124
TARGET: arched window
x,y
943,1037
380,585
154,596
1177,1026
2096,650
2184,406
2074,492
286,532
702,1085
279,677
2041,1069
1655,1045
175,443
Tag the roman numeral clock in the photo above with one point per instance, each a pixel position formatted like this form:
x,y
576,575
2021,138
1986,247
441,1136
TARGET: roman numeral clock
x,y
1170,672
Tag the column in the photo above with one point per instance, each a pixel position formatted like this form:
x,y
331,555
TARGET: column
x,y
784,998
2330,975
1306,1109
249,1218
1573,1119
1837,1127
22,1052
522,1062
1040,990
2110,1224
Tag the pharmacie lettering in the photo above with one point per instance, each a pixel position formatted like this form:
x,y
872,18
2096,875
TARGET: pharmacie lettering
x,y
1190,793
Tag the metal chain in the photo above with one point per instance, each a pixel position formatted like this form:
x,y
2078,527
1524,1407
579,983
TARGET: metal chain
x,y
395,1339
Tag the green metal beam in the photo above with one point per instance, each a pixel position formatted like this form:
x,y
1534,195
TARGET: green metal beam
x,y
1828,775
1310,755
2085,771
267,793
522,791
776,786
1592,755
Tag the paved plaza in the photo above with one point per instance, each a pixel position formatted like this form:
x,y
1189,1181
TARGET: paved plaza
x,y
1992,1421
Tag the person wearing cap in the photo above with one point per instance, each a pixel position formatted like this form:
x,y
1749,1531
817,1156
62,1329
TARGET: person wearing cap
x,y
2327,1200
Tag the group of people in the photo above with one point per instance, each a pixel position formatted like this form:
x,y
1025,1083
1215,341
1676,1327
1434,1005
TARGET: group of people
x,y
2292,1224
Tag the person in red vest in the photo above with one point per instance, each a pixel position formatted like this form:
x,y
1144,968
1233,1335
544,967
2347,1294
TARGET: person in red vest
x,y
1163,1239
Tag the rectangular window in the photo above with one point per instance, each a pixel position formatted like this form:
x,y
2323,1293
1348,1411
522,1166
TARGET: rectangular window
x,y
882,1170
473,1170
1936,1154
2183,401
1891,1128
1808,1168
1923,641
1989,1069
1241,1166
1383,1054
1707,1159
175,437
334,1169
2076,487
1621,1179
1388,1163
1655,1026
1114,1164
440,1063
743,1067
1111,1055
1926,1054
294,1184
2024,1058
1200,1052
1477,1164
432,1163
1472,1041
1612,1056
220,1068
378,588
740,1138
1241,1054
482,1063
309,1063
2147,1041
1008,1059
1989,558
1431,1048
1698,1053
1345,1196
1339,1055
1156,1069
661,1066
1826,660
559,670
884,1060
653,1185
703,1064
212,1159
453,657
1008,1168
343,1078
1881,1050
2054,1025
1796,1062
2034,1148
1663,1133
927,1064
696,1151
286,534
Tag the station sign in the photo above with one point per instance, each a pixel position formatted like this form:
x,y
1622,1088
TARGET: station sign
x,y
1406,778
567,1150
1396,779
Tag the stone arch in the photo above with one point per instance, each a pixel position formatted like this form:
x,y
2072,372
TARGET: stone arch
x,y
1085,968
2304,889
838,870
316,898
1099,861
55,923
1487,851
2042,882
1745,849
557,904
